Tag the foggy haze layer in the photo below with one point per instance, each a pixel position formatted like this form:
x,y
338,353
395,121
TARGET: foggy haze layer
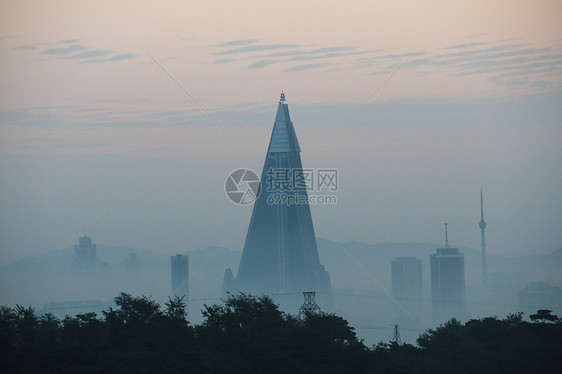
x,y
429,102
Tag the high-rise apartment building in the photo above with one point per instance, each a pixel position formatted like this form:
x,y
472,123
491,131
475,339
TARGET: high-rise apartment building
x,y
180,276
448,290
407,287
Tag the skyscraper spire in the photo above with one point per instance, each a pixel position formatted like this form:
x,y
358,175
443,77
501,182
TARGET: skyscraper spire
x,y
446,236
280,253
482,225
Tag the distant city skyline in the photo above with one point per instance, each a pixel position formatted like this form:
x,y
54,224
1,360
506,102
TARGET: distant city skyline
x,y
126,118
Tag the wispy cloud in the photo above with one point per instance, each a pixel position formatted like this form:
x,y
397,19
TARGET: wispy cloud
x,y
255,48
262,63
64,50
234,43
28,47
328,55
517,69
123,56
545,71
403,55
479,51
80,53
261,55
307,67
515,60
466,45
5,37
377,58
89,54
224,61
120,57
506,53
499,61
51,117
300,52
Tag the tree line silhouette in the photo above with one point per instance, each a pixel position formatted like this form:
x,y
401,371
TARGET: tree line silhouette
x,y
249,334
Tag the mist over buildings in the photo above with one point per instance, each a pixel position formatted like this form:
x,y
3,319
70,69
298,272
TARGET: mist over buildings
x,y
119,143
52,283
377,287
145,210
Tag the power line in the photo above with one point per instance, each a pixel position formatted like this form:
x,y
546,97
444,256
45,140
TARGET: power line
x,y
380,87
342,294
202,107
425,300
364,270
389,327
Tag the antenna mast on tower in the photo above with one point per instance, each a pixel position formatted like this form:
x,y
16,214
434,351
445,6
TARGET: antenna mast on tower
x,y
482,225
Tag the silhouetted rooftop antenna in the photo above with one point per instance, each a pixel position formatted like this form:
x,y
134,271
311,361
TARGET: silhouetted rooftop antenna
x,y
309,305
282,99
446,236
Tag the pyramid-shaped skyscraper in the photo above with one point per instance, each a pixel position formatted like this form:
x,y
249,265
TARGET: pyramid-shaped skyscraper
x,y
280,253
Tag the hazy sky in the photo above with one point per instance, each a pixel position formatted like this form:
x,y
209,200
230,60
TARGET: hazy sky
x,y
456,94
